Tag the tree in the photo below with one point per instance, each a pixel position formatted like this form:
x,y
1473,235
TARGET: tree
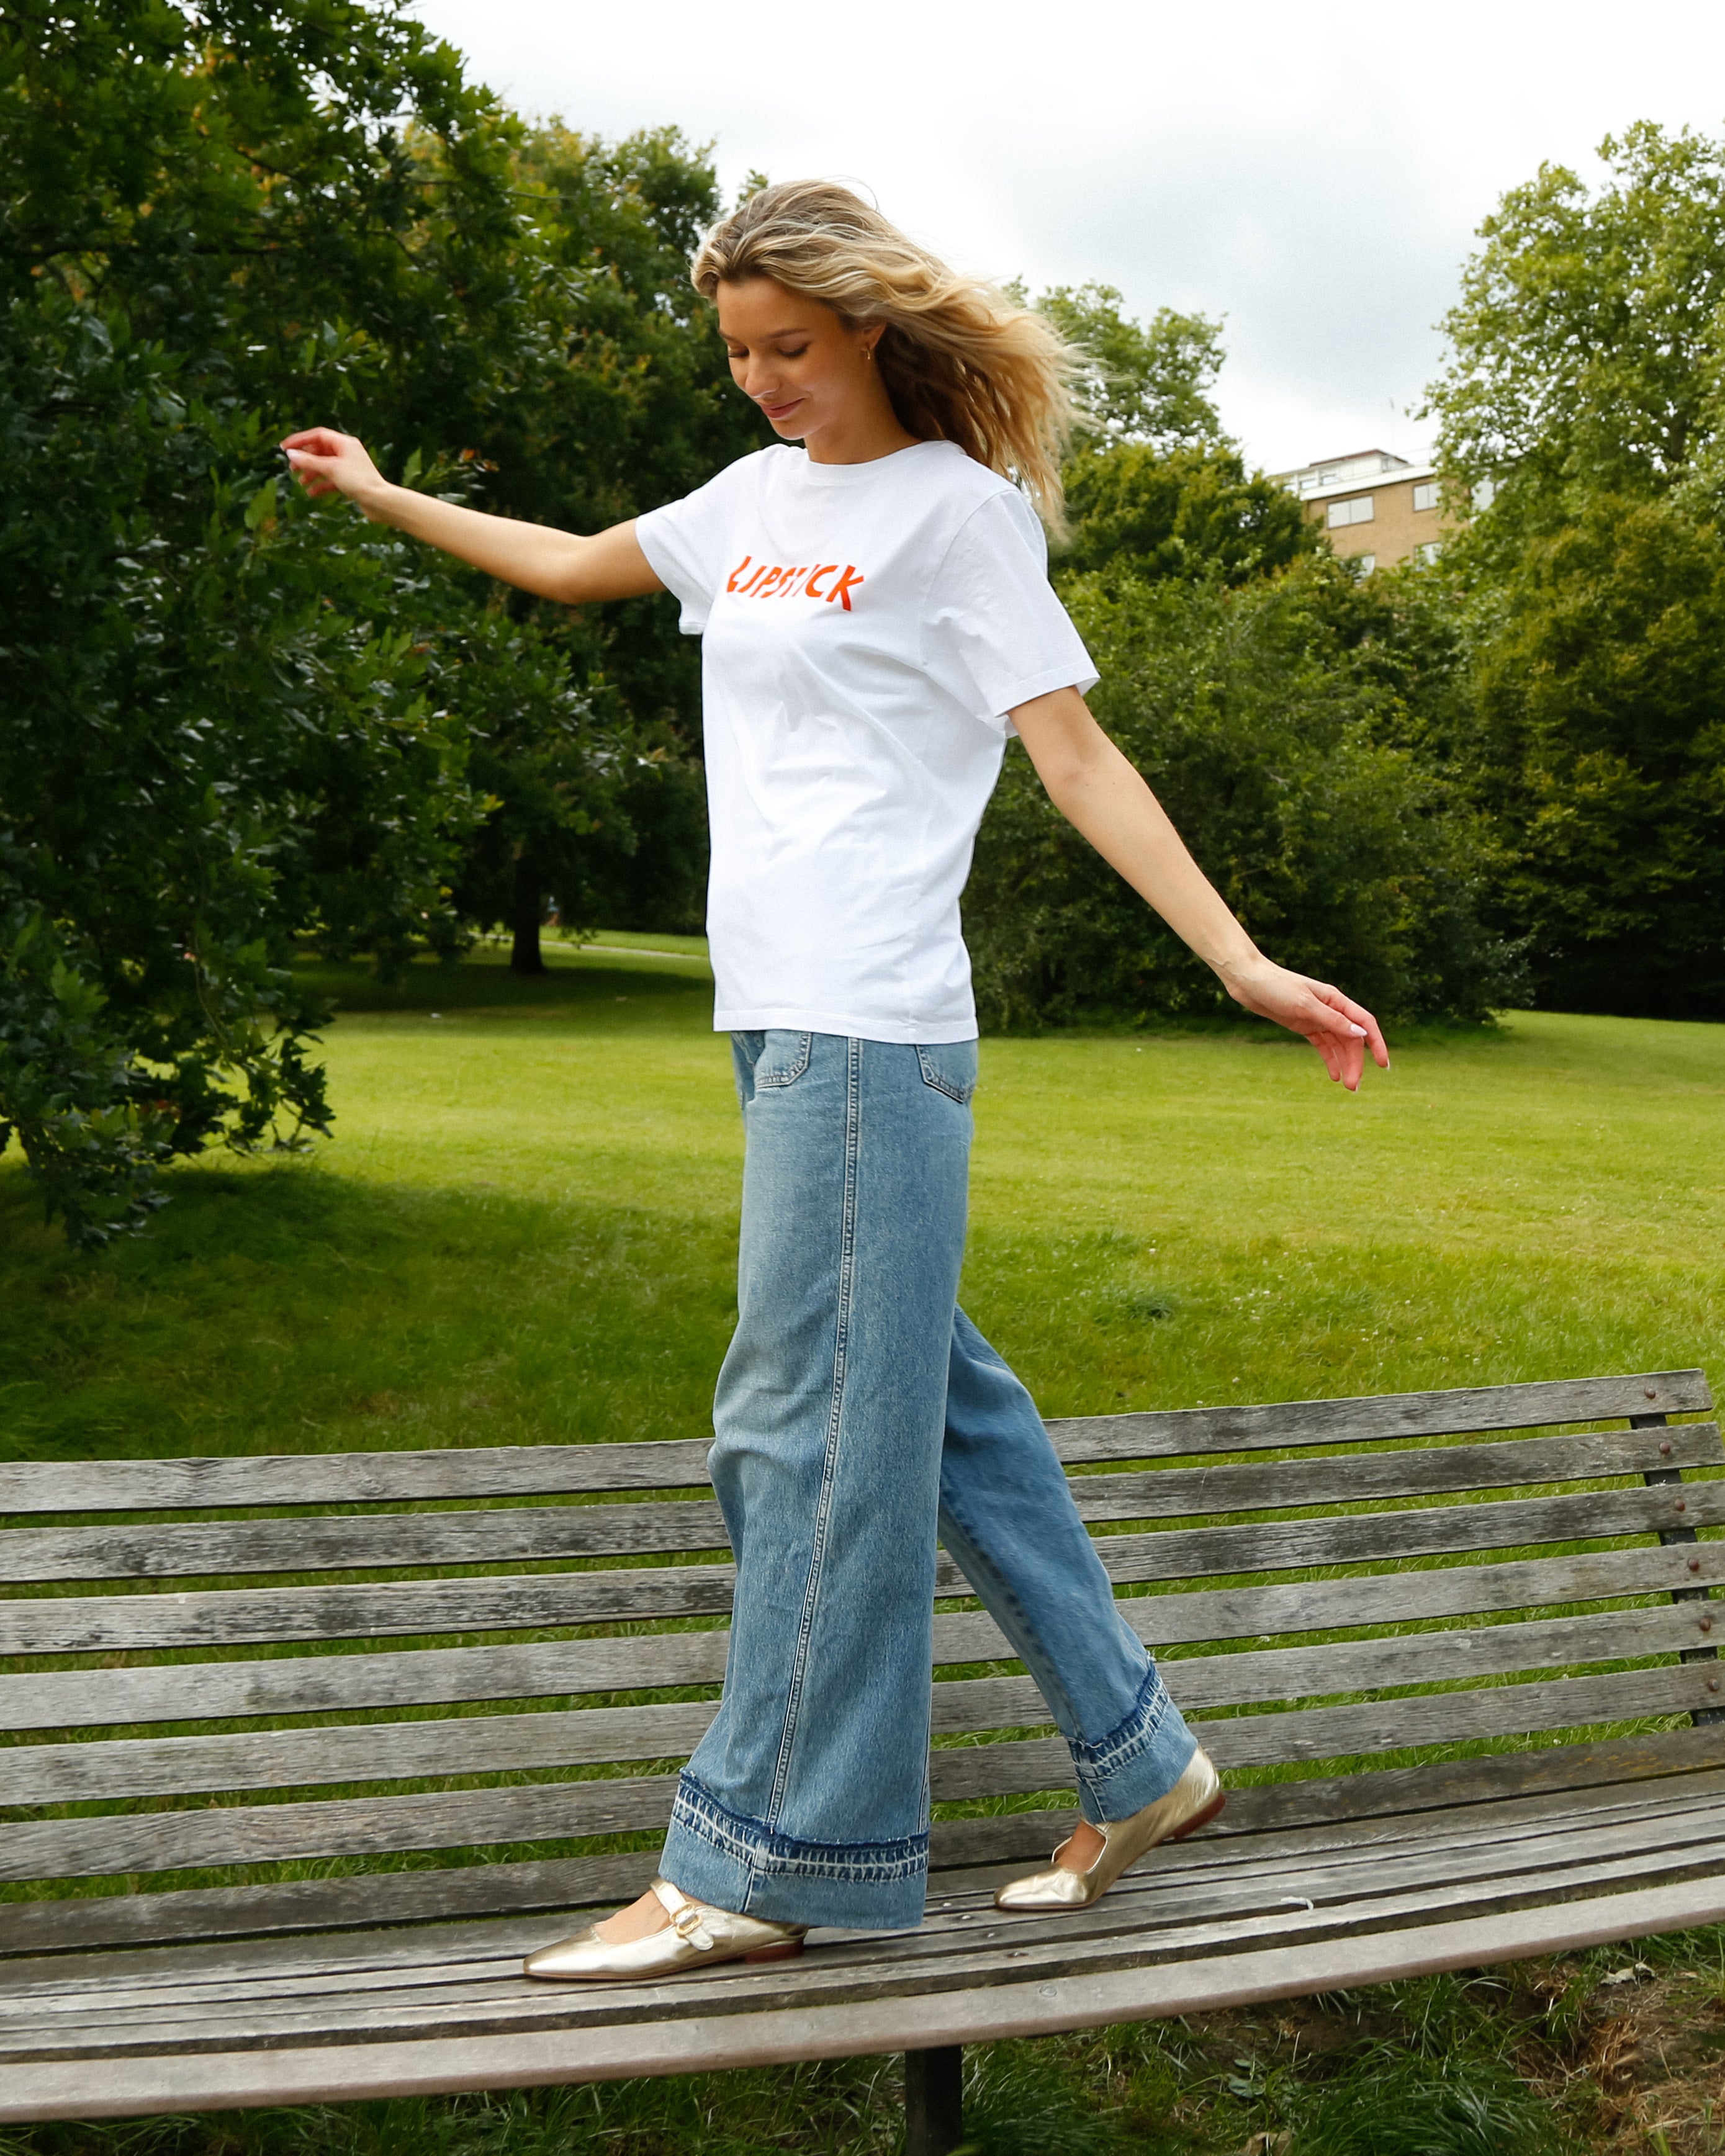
x,y
1148,382
1587,345
636,409
1274,721
1179,513
1585,382
1599,689
227,720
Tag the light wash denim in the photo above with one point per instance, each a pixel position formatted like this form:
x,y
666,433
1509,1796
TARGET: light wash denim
x,y
858,1412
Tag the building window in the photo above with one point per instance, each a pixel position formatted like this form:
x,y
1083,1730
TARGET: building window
x,y
1429,550
1359,510
1426,495
1365,563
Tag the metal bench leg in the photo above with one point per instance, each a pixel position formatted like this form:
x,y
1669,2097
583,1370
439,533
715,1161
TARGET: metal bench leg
x,y
934,2100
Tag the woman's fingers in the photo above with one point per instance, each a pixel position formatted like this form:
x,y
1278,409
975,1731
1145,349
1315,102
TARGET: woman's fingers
x,y
1355,1015
324,461
1340,1029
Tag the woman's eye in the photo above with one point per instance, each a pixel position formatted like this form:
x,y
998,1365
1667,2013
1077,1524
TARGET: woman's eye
x,y
785,351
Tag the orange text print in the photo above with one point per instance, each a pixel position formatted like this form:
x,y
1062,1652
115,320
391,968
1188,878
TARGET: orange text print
x,y
757,580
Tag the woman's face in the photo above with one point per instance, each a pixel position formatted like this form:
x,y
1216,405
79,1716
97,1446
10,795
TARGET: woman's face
x,y
808,372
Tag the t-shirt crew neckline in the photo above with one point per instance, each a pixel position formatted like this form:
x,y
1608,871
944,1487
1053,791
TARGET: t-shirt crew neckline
x,y
817,475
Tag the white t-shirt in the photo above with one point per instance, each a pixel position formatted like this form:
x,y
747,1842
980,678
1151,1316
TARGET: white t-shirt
x,y
866,629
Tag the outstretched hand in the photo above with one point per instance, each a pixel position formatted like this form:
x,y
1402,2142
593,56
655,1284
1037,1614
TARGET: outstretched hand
x,y
325,462
1339,1029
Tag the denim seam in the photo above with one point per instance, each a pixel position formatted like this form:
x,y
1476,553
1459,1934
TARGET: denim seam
x,y
931,1077
1000,1599
830,1463
698,1812
1129,1736
776,1080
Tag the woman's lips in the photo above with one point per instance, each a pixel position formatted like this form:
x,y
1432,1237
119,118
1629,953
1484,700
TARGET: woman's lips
x,y
776,412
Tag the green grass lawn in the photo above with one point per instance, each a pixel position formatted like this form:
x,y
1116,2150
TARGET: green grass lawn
x,y
523,1226
524,1230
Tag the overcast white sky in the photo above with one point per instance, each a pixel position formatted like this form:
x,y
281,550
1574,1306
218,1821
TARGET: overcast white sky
x,y
1313,175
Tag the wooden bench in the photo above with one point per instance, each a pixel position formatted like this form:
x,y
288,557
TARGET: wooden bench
x,y
174,1712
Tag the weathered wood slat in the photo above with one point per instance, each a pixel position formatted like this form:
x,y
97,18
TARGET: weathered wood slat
x,y
213,1931
1656,1770
310,1684
33,1486
335,1826
73,1625
403,1751
29,1487
1274,1823
1317,1606
1172,1433
296,1907
464,2002
219,1980
345,1478
1450,1717
356,1752
246,1616
1360,1477
1422,1531
313,1684
328,1544
1168,1892
349,1826
569,1531
705,2034
1291,1673
1393,1795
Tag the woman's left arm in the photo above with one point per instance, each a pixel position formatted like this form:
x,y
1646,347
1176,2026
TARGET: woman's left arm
x,y
1100,793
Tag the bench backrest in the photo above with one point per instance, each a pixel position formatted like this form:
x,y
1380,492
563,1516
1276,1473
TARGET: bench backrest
x,y
239,1662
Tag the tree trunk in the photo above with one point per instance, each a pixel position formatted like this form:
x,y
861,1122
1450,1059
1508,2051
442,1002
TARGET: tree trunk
x,y
525,956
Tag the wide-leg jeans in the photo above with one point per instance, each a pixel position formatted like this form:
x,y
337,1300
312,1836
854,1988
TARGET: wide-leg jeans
x,y
859,1414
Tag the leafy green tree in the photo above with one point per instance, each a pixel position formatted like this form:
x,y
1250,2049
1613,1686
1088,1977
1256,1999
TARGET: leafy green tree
x,y
637,408
1179,513
1274,721
1600,690
1149,382
1585,384
1586,347
1152,481
226,720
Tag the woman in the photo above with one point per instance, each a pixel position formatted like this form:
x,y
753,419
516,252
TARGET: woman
x,y
877,618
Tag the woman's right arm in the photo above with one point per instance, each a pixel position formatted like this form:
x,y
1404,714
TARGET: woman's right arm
x,y
555,565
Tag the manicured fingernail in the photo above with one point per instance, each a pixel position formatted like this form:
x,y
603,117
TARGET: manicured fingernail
x,y
1358,1031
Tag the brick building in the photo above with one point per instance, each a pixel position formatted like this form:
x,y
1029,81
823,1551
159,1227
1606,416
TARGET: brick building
x,y
1375,508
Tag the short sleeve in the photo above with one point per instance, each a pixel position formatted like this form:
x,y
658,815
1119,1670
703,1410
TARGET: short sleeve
x,y
684,541
996,634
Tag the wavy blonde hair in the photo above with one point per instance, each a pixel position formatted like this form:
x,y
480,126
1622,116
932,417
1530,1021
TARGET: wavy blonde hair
x,y
960,360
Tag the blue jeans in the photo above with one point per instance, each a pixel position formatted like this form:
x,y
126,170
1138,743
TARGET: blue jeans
x,y
859,1413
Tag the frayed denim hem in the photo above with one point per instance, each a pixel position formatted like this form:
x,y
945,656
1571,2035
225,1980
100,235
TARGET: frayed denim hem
x,y
1139,1760
745,1865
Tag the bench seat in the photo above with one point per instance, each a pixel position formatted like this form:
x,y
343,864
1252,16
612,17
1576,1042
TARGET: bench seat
x,y
1522,1622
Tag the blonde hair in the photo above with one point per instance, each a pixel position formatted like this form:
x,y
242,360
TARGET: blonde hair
x,y
962,360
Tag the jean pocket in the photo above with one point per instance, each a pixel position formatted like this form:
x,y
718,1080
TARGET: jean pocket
x,y
950,1067
783,1059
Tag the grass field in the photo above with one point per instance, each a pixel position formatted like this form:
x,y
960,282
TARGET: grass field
x,y
524,1230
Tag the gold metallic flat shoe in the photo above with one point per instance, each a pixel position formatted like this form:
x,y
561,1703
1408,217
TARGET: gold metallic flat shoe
x,y
1194,1800
695,1938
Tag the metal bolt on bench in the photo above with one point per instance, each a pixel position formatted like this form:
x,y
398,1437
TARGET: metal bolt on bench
x,y
1315,1571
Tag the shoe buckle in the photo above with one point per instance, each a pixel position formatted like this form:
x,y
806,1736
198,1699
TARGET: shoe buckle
x,y
687,1923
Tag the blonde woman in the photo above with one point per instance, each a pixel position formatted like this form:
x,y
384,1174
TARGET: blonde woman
x,y
877,620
